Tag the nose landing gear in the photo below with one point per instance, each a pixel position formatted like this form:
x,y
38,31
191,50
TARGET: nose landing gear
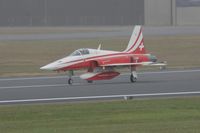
x,y
133,77
70,80
89,81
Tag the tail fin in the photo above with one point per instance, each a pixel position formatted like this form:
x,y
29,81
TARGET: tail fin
x,y
136,43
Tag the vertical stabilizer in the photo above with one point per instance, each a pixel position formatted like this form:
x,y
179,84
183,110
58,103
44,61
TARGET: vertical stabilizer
x,y
136,43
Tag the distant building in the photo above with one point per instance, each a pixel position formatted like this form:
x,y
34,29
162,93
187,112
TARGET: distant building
x,y
172,12
71,12
188,12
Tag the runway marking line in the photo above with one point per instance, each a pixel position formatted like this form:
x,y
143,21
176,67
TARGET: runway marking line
x,y
57,77
97,97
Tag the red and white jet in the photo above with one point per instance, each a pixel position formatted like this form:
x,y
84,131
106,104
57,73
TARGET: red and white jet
x,y
101,64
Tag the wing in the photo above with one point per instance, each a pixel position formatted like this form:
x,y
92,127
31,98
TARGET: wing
x,y
136,64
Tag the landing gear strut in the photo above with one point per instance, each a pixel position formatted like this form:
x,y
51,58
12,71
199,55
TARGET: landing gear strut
x,y
70,74
93,65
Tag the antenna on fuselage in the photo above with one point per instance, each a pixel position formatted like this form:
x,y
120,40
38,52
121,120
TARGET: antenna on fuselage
x,y
99,48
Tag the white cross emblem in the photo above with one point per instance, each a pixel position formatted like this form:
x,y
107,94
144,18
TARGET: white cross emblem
x,y
141,46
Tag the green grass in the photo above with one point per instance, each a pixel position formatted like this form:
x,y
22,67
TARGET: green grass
x,y
18,58
138,116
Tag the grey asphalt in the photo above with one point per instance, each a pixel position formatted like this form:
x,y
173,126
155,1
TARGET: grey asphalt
x,y
56,87
112,32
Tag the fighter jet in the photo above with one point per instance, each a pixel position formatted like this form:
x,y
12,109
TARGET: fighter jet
x,y
101,64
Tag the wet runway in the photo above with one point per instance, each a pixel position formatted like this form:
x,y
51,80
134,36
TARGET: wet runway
x,y
56,89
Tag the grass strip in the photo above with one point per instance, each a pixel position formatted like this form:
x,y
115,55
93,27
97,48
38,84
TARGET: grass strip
x,y
181,115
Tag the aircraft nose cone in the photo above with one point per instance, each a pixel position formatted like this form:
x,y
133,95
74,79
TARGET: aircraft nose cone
x,y
48,67
44,68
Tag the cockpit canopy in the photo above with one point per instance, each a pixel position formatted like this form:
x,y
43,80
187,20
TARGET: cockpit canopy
x,y
83,51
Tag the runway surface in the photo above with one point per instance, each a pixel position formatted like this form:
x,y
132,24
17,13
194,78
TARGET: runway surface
x,y
113,32
55,89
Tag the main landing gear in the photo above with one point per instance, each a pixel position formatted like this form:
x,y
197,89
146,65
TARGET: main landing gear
x,y
133,77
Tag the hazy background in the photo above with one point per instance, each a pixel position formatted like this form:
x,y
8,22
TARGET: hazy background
x,y
99,12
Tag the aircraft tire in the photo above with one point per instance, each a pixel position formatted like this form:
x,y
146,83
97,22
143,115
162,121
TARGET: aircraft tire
x,y
133,79
70,81
89,81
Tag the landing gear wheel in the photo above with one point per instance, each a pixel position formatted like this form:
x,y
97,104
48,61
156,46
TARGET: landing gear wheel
x,y
89,81
133,79
70,81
